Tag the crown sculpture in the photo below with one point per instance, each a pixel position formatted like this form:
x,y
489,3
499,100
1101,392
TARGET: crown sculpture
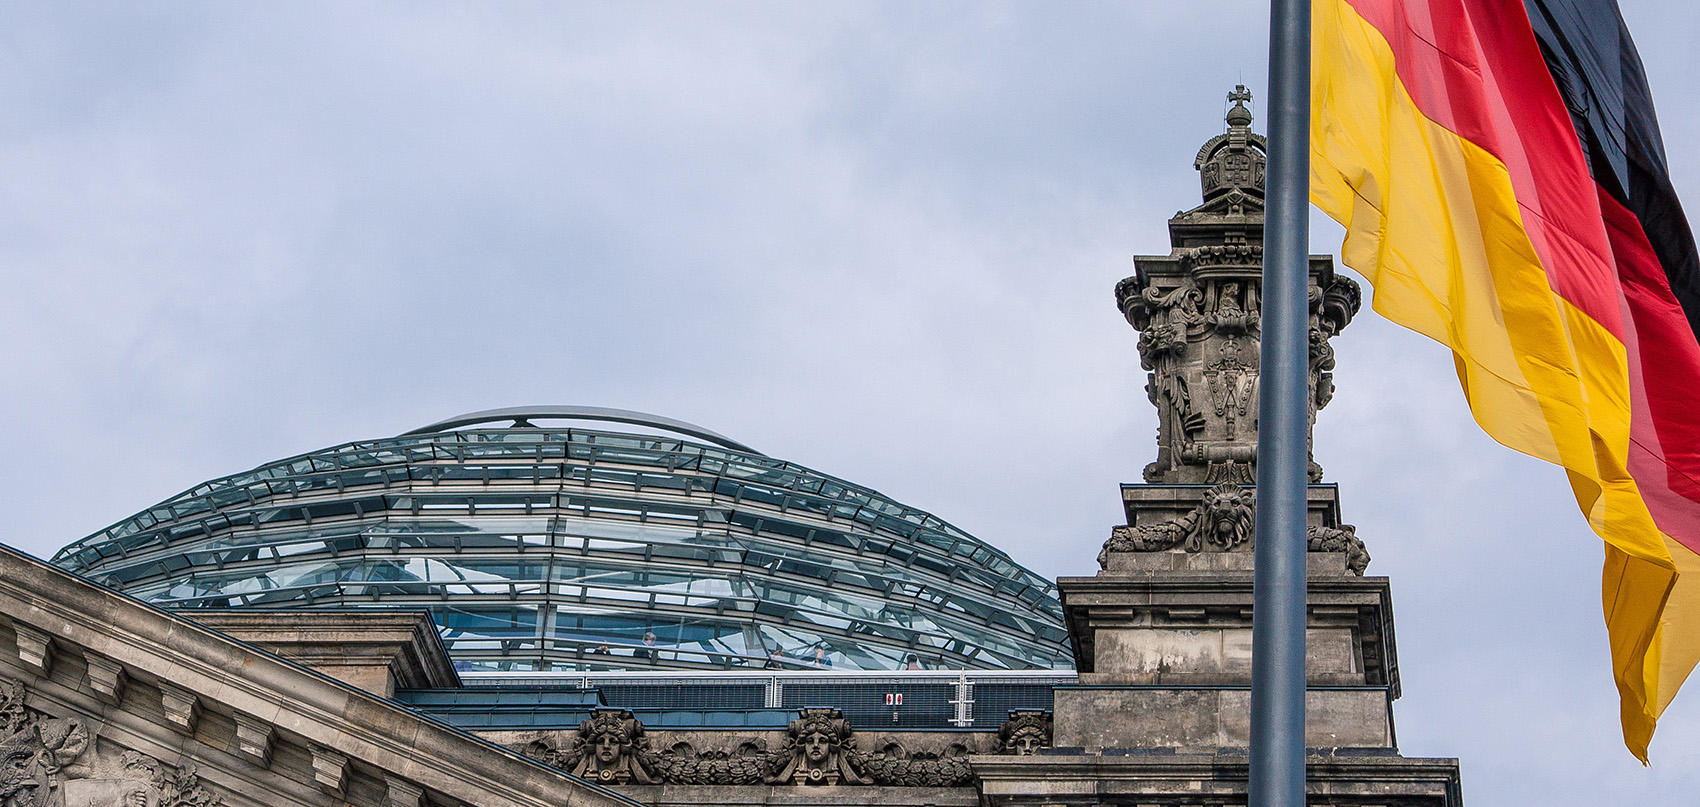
x,y
1197,310
1198,313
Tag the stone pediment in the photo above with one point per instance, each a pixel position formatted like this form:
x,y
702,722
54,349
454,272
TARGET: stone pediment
x,y
108,702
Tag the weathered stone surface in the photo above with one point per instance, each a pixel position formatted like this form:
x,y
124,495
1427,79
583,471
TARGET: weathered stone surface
x,y
377,650
1096,718
36,648
1198,311
200,711
1189,627
254,739
1160,655
1162,635
786,796
819,749
182,708
330,770
399,792
1149,503
1343,778
1217,524
106,677
1026,732
56,762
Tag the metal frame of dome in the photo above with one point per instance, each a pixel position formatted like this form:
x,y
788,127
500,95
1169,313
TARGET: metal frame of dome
x,y
524,415
552,548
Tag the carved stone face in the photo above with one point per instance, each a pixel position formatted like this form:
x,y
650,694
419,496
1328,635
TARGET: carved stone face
x,y
1027,743
607,748
817,749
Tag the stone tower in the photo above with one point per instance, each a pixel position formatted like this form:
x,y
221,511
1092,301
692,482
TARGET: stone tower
x,y
1197,312
1162,634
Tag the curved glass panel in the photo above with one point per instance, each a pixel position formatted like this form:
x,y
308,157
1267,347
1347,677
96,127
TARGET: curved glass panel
x,y
571,549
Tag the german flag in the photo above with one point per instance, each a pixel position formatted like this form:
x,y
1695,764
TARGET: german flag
x,y
1498,168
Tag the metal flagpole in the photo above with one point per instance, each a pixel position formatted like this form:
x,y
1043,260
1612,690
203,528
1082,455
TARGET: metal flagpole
x,y
1278,599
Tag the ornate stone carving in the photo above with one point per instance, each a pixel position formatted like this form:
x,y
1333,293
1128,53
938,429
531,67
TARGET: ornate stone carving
x,y
609,748
44,762
894,766
748,764
1345,539
1198,311
1234,160
1025,732
39,754
1224,522
14,717
819,749
822,747
1221,522
172,787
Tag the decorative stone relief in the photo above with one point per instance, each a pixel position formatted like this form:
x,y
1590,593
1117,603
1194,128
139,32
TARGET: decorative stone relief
x,y
1221,522
39,755
822,748
748,764
895,766
14,717
1224,522
1345,539
819,749
1025,732
45,762
609,748
172,787
1198,312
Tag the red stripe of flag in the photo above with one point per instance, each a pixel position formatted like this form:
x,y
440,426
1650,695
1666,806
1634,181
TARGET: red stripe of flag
x,y
1474,67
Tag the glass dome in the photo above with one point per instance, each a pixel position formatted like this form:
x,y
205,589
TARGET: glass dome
x,y
539,548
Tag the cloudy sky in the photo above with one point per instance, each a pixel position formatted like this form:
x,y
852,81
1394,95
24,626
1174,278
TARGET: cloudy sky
x,y
878,239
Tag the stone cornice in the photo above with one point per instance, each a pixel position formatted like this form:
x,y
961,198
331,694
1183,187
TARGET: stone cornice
x,y
402,640
233,678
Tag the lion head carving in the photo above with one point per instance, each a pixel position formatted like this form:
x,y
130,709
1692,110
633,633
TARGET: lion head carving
x,y
1224,518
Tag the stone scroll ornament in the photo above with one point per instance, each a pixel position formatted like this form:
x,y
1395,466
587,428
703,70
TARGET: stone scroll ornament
x,y
1224,522
819,750
44,762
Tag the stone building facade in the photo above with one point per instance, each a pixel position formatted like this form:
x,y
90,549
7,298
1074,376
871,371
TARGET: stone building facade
x,y
106,701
